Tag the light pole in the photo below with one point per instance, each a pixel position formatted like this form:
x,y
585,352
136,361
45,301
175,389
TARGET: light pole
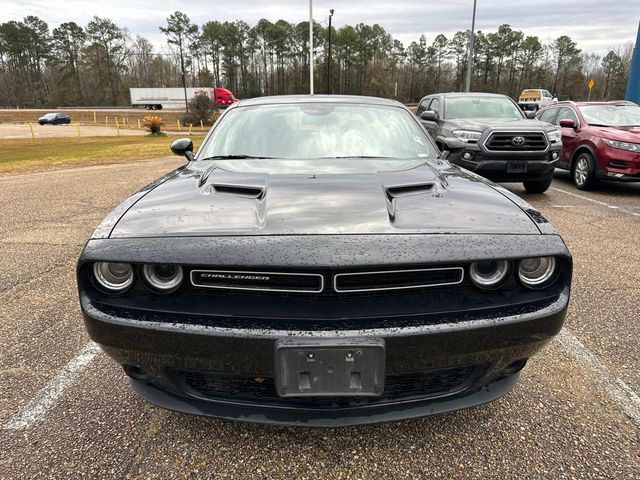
x,y
311,47
329,59
467,83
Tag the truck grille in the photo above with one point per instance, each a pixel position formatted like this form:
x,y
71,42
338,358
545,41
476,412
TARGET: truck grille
x,y
262,390
516,141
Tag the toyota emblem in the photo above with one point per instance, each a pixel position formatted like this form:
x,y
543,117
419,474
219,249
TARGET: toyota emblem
x,y
518,141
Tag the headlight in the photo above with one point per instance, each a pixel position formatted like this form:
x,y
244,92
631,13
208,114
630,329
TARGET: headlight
x,y
535,272
163,277
554,136
630,147
489,274
467,135
113,277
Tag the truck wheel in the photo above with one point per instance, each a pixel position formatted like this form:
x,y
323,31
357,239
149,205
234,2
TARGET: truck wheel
x,y
158,107
148,107
538,186
583,172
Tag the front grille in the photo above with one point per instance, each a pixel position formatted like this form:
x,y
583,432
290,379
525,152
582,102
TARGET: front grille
x,y
520,157
504,142
262,390
397,279
260,281
326,282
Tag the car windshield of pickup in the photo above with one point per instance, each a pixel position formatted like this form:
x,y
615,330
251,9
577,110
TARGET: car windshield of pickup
x,y
470,107
611,115
317,130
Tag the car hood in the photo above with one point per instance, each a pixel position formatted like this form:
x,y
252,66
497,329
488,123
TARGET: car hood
x,y
623,134
481,124
275,197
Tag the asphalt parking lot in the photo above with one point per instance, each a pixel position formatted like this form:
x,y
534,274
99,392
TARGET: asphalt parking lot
x,y
66,411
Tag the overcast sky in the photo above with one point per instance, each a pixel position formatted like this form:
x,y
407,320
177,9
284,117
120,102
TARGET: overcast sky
x,y
597,25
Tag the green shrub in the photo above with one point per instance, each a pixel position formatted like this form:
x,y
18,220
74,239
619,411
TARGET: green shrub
x,y
201,109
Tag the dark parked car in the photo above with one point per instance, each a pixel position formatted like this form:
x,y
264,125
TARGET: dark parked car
x,y
601,140
54,119
317,263
498,141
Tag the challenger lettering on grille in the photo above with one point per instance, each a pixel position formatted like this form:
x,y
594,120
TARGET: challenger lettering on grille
x,y
228,276
273,281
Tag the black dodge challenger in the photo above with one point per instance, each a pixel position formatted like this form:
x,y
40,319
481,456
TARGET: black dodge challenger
x,y
318,263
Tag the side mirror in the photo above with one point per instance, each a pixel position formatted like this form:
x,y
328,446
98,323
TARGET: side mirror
x,y
183,147
430,115
555,100
567,123
530,114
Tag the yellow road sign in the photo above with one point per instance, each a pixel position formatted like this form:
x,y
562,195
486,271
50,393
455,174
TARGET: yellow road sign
x,y
591,84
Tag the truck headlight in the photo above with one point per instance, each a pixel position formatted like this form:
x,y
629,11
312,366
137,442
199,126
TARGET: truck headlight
x,y
489,274
629,147
554,136
467,135
113,277
536,272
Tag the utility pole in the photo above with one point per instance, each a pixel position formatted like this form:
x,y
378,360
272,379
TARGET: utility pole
x,y
184,81
311,47
329,59
467,83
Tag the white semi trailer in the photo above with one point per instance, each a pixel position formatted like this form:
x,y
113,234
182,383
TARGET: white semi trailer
x,y
159,98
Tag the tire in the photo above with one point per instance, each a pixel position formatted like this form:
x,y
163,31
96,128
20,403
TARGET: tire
x,y
147,107
538,186
583,172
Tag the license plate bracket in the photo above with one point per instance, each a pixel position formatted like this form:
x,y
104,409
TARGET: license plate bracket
x,y
516,167
329,367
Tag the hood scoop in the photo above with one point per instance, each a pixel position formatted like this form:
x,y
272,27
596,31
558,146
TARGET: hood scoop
x,y
247,185
401,187
248,191
410,189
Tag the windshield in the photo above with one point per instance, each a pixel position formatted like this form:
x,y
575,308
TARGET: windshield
x,y
612,115
501,108
318,130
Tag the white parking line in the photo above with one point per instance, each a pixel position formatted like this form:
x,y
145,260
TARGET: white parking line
x,y
616,388
592,200
38,407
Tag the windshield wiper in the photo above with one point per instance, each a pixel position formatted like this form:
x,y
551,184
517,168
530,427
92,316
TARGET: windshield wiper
x,y
234,157
359,156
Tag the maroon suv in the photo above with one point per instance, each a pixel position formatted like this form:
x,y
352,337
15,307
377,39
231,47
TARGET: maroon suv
x,y
601,140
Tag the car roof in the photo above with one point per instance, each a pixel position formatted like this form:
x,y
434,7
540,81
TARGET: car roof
x,y
582,104
343,99
467,94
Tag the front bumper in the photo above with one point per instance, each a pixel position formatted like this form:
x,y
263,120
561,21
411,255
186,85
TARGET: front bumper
x,y
491,350
618,165
496,166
